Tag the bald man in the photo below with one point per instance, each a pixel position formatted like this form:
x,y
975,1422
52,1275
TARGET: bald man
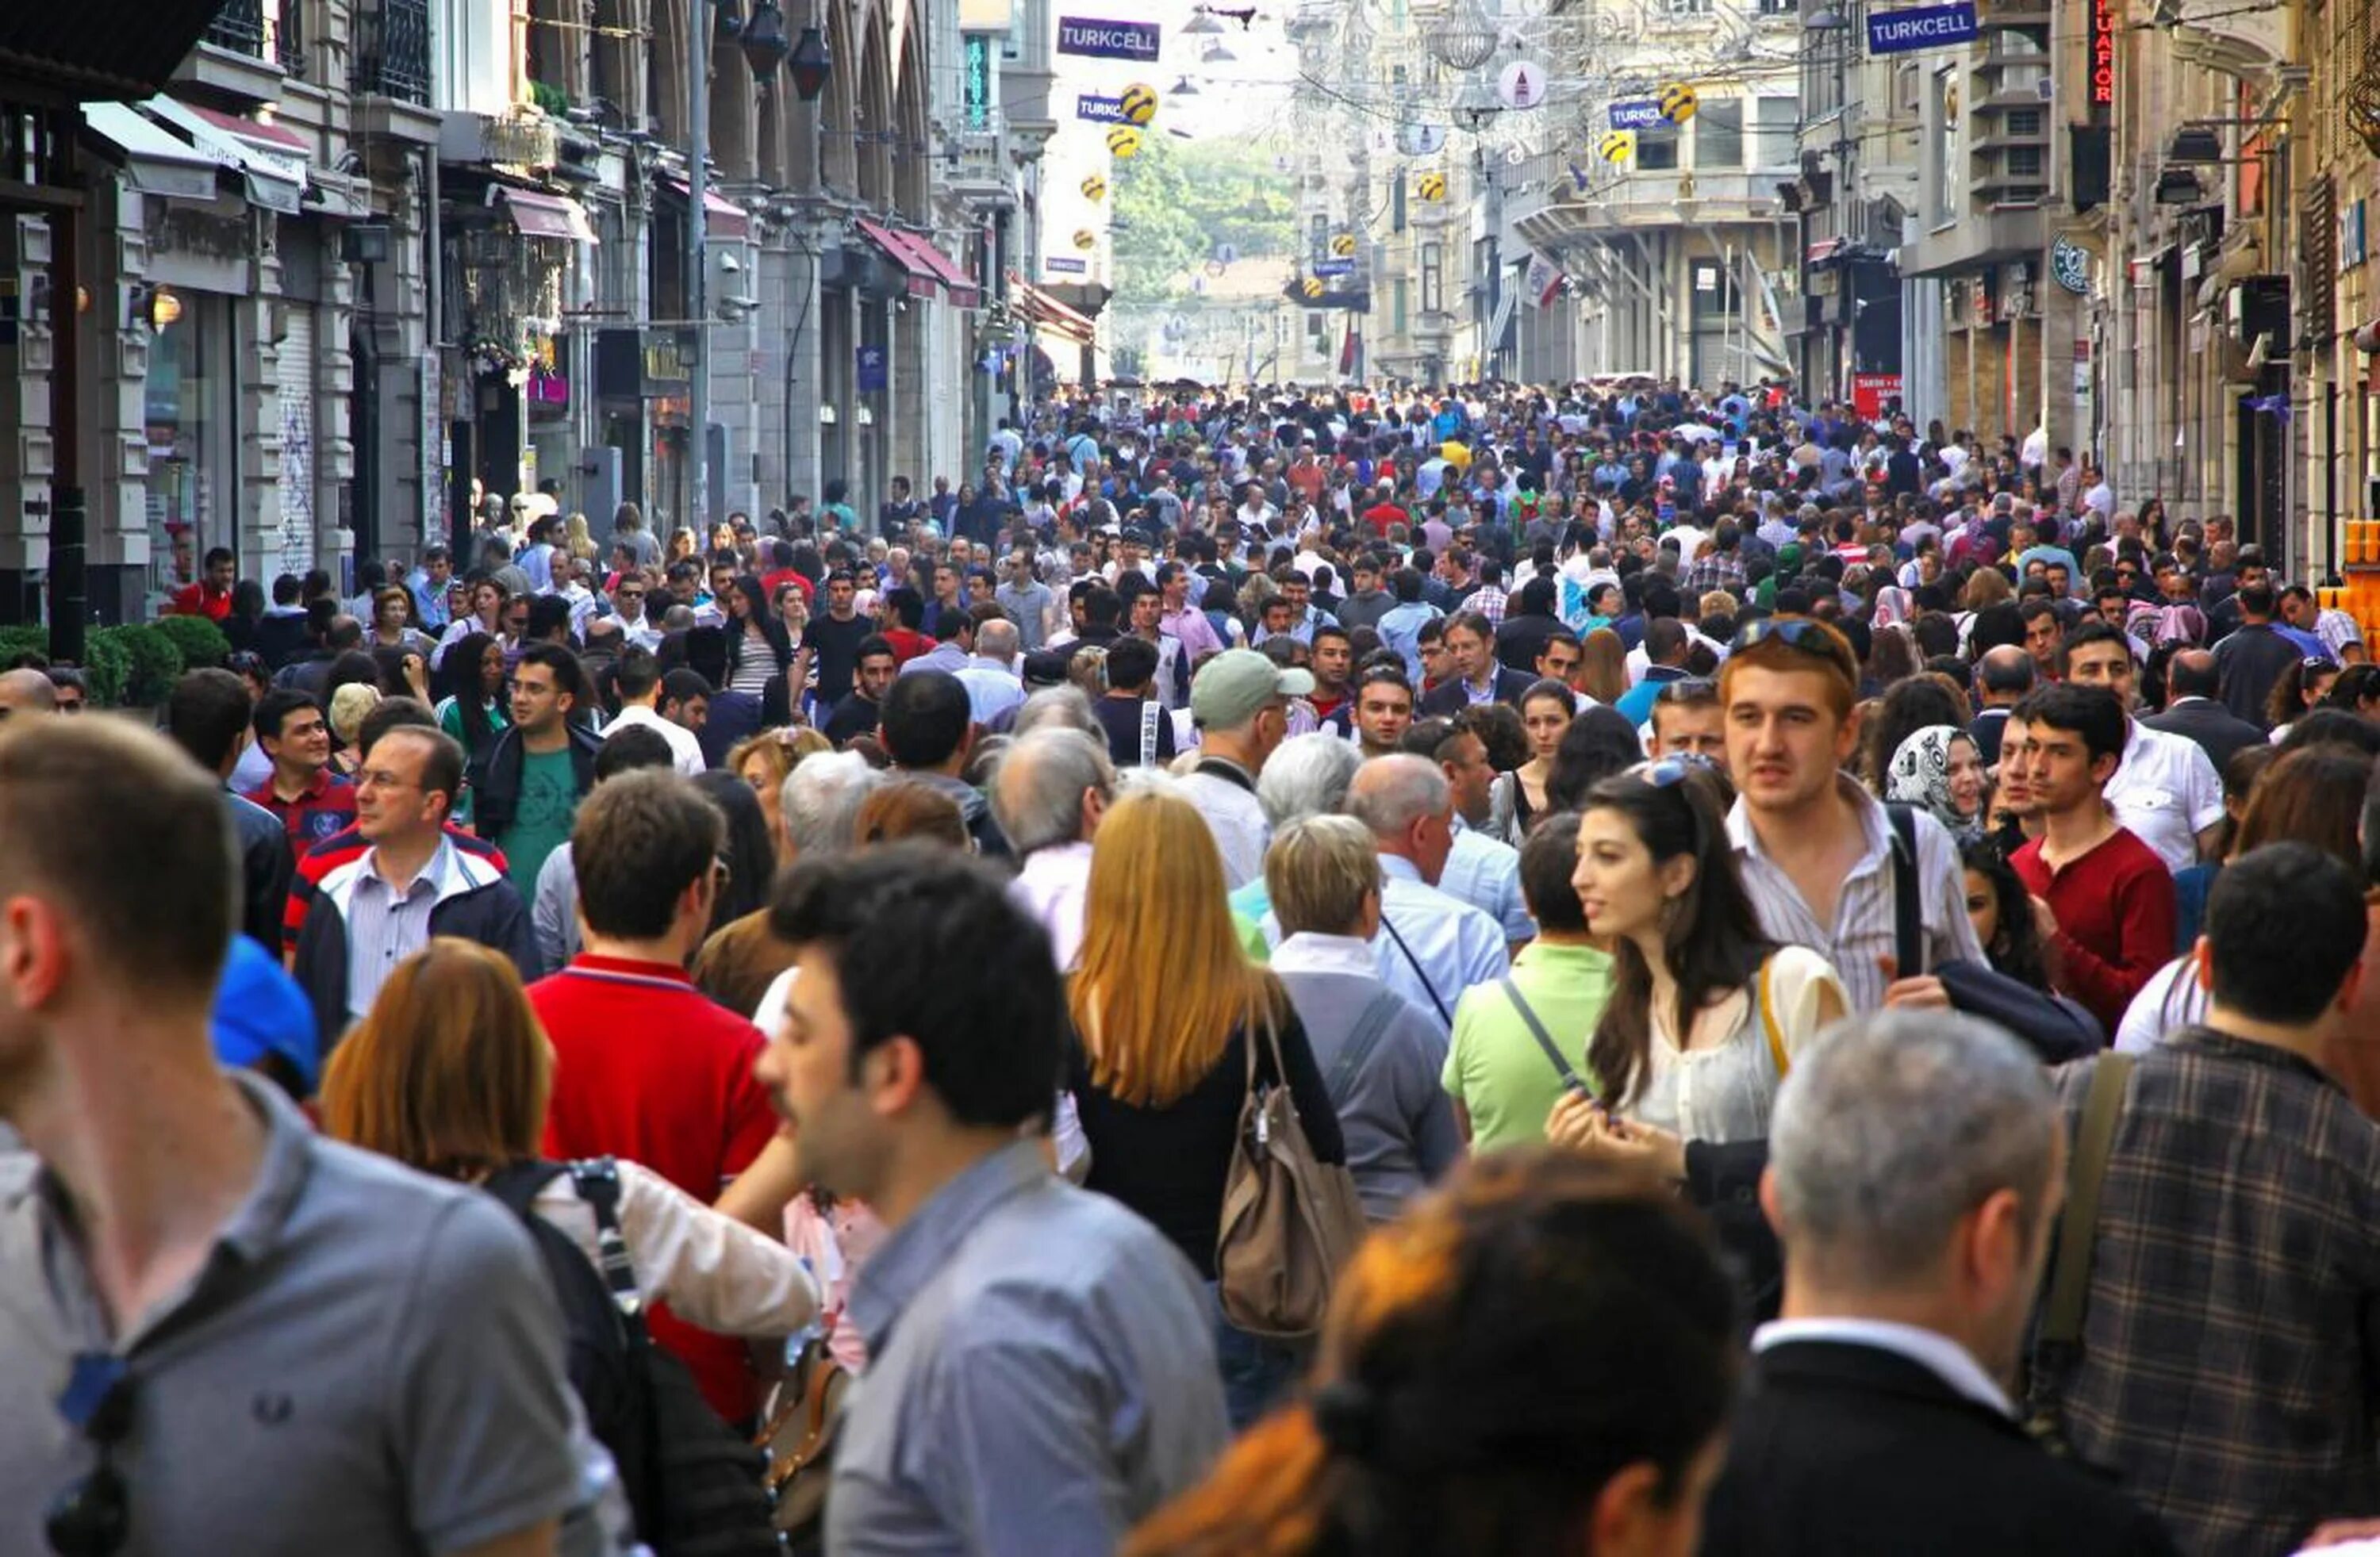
x,y
2003,678
2192,683
26,691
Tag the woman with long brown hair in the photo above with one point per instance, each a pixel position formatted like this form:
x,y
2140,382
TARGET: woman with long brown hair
x,y
1537,1358
1165,1004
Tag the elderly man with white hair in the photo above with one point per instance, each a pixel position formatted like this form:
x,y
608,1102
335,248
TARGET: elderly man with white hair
x,y
1431,946
990,674
1053,785
1307,776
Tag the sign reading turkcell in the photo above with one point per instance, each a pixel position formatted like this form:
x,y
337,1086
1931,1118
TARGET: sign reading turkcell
x,y
1920,27
1095,38
1640,113
1334,267
1064,265
1101,110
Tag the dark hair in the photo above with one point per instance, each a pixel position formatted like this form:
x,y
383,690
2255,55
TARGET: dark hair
x,y
2090,712
1598,744
1131,662
2313,795
2093,631
683,685
548,614
1548,860
2015,948
273,710
458,678
630,749
926,719
751,856
639,842
2332,727
2355,685
205,714
873,646
569,675
1713,940
2286,923
927,946
391,713
442,765
1515,1342
636,673
1499,730
2287,700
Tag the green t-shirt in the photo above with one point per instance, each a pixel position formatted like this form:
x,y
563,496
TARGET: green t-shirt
x,y
1496,1069
549,798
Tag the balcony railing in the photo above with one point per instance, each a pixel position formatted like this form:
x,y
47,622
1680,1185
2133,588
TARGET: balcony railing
x,y
238,27
393,50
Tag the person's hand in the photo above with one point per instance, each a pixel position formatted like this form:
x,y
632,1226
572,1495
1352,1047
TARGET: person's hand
x,y
1573,1118
1922,992
2339,1532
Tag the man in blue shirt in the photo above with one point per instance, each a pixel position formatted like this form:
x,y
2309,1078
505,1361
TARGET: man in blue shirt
x,y
1431,946
1042,1372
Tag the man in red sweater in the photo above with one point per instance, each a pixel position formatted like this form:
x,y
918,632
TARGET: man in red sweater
x,y
644,1065
2103,900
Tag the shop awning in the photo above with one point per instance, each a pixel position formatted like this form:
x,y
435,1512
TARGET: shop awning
x,y
262,154
722,217
159,162
957,285
922,279
538,215
1047,313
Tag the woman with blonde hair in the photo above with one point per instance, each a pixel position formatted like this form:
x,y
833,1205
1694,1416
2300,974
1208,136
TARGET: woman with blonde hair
x,y
577,540
1540,1357
1166,1007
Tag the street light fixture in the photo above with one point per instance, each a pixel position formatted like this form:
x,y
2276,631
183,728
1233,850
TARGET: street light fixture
x,y
811,63
1201,25
1185,86
765,44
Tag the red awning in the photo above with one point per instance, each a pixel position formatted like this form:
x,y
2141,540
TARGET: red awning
x,y
536,216
896,247
1050,314
957,284
722,217
278,137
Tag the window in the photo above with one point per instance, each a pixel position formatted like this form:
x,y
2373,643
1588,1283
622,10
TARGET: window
x,y
1687,7
1949,177
1657,149
2024,161
1719,134
1432,279
2024,122
1776,126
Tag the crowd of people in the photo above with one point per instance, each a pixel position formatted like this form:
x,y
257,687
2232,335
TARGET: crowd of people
x,y
1826,959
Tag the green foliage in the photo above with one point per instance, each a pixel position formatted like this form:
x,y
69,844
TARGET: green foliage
x,y
106,666
201,642
152,662
1178,199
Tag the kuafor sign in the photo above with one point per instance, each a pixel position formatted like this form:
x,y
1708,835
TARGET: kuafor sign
x,y
1870,391
2103,53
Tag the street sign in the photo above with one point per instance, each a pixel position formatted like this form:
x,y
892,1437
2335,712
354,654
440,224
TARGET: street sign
x,y
1064,265
1101,110
870,369
1870,391
1334,267
1920,27
1092,38
1641,113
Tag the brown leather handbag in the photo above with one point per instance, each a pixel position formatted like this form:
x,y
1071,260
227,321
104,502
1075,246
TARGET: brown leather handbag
x,y
1290,1220
799,1435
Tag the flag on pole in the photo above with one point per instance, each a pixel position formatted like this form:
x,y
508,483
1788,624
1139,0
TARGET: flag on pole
x,y
1544,280
1351,353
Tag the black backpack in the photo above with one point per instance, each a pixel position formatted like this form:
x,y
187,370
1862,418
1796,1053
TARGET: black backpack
x,y
697,1487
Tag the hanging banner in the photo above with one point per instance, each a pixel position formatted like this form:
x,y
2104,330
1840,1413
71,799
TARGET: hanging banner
x,y
1870,391
1101,110
1091,37
1639,113
1920,27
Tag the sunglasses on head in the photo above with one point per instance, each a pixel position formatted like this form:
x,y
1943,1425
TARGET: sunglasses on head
x,y
93,1517
1811,638
1686,688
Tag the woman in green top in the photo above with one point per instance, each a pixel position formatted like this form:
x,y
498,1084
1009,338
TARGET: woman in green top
x,y
472,711
1503,1082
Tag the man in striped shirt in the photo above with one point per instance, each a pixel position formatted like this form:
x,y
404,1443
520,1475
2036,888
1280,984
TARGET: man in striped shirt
x,y
1814,847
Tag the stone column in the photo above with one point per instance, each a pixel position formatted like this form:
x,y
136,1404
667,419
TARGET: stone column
x,y
28,455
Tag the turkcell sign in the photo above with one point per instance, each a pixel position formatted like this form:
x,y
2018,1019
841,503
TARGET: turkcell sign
x,y
1094,39
1101,110
1064,265
1922,27
1334,267
1642,114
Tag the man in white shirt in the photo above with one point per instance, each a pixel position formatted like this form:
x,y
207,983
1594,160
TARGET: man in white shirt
x,y
1240,704
1053,785
2166,791
638,677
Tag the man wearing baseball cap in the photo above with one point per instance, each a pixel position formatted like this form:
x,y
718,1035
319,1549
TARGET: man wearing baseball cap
x,y
1240,703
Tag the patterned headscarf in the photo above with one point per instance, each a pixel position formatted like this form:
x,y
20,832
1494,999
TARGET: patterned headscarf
x,y
1919,775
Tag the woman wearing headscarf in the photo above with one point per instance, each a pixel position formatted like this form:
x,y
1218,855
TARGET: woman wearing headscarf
x,y
1940,769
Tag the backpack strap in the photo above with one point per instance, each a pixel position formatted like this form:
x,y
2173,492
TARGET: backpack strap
x,y
2094,1140
1570,1076
518,1183
1371,1026
597,1179
1908,914
1149,714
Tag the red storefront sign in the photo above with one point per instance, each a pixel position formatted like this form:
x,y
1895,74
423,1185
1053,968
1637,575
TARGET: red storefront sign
x,y
1870,391
2103,53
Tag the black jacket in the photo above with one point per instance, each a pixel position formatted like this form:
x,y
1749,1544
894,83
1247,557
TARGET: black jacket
x,y
1451,698
1842,1448
265,866
495,777
475,902
2218,732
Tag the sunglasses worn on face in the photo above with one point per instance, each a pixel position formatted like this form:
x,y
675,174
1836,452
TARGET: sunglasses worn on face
x,y
93,1517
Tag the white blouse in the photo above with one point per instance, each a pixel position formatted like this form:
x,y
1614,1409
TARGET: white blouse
x,y
1725,1092
713,1272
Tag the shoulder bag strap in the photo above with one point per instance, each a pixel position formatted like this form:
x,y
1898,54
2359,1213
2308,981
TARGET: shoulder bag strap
x,y
1764,1010
2094,1140
1570,1076
597,1180
1414,963
1149,714
1371,1026
1908,913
